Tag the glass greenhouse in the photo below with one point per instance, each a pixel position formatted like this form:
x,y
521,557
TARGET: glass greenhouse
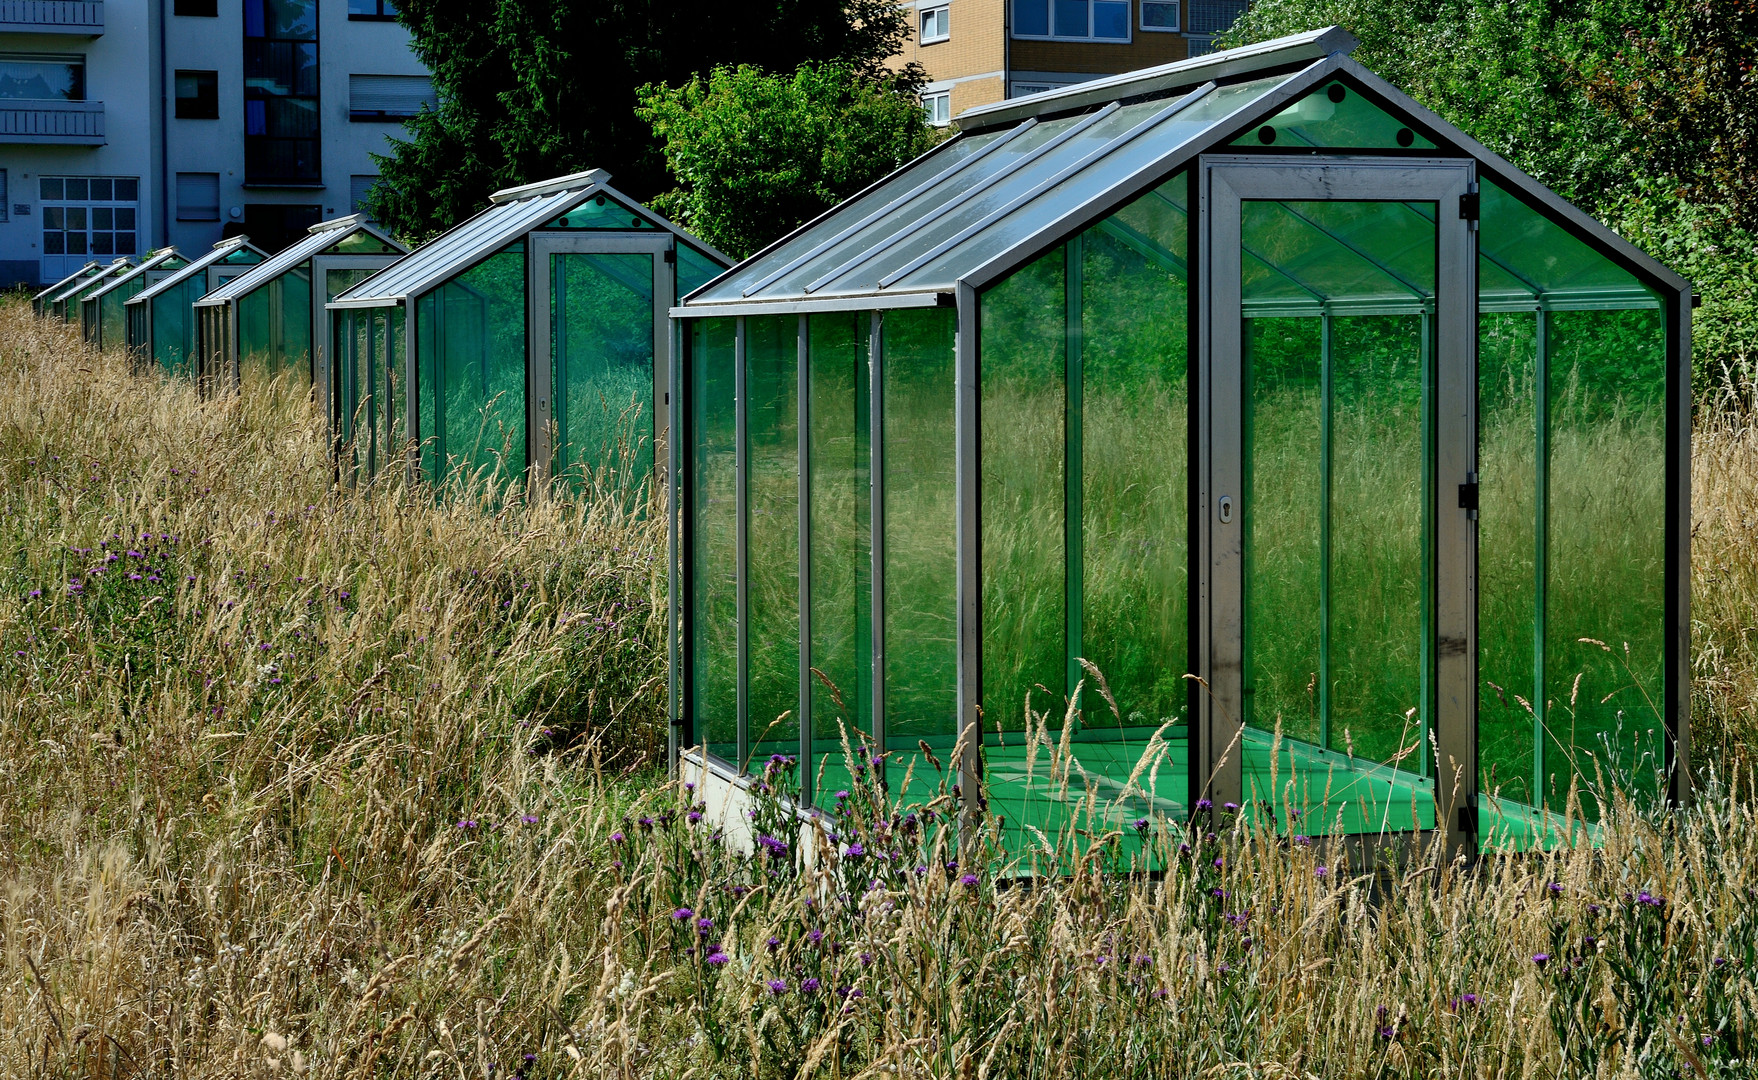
x,y
268,320
40,302
535,332
103,317
1350,463
161,323
65,304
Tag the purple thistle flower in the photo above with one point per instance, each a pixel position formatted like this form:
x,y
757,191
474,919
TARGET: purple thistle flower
x,y
1204,804
773,943
855,850
778,986
1141,825
694,816
716,957
815,935
617,838
1556,888
1320,871
1541,959
703,926
809,986
968,880
1230,807
529,819
682,913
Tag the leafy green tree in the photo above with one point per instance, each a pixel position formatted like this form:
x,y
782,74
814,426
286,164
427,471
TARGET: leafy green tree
x,y
530,89
756,154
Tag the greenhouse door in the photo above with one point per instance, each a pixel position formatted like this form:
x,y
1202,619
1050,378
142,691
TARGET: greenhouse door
x,y
1337,443
600,355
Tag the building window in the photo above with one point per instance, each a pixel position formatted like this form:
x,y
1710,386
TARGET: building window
x,y
358,188
206,9
198,196
1072,20
198,95
372,10
388,97
281,129
88,217
1215,16
1160,15
938,107
42,78
936,24
3,203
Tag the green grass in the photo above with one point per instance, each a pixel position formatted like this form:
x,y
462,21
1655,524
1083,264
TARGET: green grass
x,y
385,865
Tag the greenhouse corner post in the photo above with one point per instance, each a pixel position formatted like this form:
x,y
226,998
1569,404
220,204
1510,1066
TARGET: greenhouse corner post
x,y
969,734
742,541
876,523
1678,550
674,604
803,432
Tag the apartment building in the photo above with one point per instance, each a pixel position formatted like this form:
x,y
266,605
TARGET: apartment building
x,y
980,51
127,125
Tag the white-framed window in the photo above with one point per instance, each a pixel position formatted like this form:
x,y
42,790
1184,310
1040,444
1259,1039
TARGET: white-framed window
x,y
87,217
938,107
1160,16
1072,20
935,24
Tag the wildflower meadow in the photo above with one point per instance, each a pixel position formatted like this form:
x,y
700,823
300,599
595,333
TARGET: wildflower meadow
x,y
306,779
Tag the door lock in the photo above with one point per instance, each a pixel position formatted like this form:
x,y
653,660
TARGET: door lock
x,y
1226,509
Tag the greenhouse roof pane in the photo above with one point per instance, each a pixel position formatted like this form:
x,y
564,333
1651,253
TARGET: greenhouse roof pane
x,y
319,238
512,214
153,260
1525,255
52,290
89,280
953,210
218,252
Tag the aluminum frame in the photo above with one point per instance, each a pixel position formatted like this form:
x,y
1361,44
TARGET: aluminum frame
x,y
540,423
1227,181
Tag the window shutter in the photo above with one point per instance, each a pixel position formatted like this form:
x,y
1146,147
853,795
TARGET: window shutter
x,y
389,96
198,196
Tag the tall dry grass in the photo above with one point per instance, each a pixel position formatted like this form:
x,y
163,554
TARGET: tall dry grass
x,y
290,809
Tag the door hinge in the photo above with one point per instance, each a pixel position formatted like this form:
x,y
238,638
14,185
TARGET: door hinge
x,y
1468,206
1467,823
1468,496
671,255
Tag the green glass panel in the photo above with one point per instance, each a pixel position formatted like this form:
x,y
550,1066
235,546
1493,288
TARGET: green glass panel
x,y
1605,568
361,243
1134,459
1525,254
1025,336
173,324
1507,585
368,365
337,282
427,388
1334,115
695,269
256,318
921,502
293,339
772,539
138,347
396,393
240,256
1375,602
601,347
600,212
112,313
841,546
478,370
1283,515
714,544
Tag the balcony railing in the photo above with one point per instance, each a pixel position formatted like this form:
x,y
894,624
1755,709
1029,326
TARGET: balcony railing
x,y
82,17
60,123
